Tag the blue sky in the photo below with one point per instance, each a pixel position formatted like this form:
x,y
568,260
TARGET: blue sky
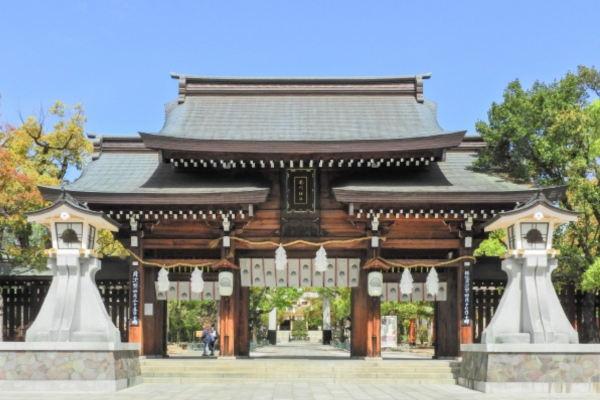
x,y
115,56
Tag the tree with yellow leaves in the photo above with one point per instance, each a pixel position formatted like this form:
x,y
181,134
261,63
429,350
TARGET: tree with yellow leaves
x,y
35,154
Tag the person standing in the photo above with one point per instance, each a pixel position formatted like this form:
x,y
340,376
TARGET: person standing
x,y
207,338
213,335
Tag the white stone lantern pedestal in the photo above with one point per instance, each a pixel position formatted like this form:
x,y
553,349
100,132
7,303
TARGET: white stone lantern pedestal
x,y
529,340
72,344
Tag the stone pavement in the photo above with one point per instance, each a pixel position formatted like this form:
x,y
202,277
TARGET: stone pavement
x,y
296,391
293,350
309,350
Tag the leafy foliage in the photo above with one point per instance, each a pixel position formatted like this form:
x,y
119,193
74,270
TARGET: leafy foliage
x,y
33,154
299,329
46,155
423,334
493,246
18,194
263,300
549,135
106,244
591,277
187,317
407,310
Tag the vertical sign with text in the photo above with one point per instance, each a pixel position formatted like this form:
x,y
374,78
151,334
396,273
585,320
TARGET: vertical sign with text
x,y
135,298
466,314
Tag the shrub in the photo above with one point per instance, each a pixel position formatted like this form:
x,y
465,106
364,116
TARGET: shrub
x,y
423,334
299,329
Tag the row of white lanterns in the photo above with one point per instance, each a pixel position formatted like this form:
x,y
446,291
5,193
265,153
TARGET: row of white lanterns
x,y
375,282
196,281
375,279
281,259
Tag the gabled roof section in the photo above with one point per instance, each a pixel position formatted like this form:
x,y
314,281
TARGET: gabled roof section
x,y
537,203
449,182
300,110
65,199
139,178
114,143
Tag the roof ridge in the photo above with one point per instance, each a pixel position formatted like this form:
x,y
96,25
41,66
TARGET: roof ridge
x,y
175,75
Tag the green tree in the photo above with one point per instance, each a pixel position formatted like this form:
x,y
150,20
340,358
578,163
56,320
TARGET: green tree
x,y
406,311
299,329
20,242
492,246
263,300
35,153
549,135
187,317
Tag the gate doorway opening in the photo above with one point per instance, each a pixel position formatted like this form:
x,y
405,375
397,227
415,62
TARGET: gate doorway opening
x,y
185,323
300,322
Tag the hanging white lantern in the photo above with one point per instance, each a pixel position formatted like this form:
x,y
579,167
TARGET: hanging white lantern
x,y
163,280
432,283
225,283
375,283
280,258
321,260
197,282
406,284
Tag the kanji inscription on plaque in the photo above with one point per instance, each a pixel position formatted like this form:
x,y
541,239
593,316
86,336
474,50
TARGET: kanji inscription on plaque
x,y
300,190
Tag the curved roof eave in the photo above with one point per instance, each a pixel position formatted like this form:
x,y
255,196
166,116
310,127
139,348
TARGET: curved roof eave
x,y
440,141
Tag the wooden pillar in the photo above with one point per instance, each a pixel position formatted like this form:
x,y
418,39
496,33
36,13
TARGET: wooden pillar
x,y
233,320
366,320
234,311
447,344
243,325
154,317
227,321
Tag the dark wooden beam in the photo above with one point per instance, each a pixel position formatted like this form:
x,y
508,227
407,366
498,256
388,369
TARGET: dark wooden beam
x,y
420,244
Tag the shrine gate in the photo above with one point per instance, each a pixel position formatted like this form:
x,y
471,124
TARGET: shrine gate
x,y
241,165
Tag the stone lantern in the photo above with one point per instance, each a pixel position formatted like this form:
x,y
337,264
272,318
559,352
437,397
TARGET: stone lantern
x,y
530,311
73,310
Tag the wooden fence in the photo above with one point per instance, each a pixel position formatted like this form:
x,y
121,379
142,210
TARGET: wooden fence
x,y
22,300
487,295
23,297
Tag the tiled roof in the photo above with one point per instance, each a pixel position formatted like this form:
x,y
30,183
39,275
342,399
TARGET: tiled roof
x,y
140,174
450,181
301,118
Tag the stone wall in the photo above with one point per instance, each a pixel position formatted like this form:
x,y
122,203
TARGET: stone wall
x,y
63,365
559,371
85,370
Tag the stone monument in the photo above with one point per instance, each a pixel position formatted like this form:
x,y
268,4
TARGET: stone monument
x,y
73,344
530,345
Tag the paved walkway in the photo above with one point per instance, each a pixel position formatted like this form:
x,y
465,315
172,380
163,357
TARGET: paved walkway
x,y
296,391
305,350
294,350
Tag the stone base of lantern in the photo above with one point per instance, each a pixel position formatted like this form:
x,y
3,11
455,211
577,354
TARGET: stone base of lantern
x,y
541,368
69,367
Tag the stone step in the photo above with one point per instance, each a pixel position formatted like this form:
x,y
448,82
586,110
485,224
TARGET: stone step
x,y
249,374
304,380
213,363
212,370
147,368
